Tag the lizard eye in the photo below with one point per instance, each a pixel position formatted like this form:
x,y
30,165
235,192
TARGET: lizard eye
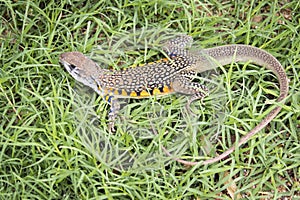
x,y
72,67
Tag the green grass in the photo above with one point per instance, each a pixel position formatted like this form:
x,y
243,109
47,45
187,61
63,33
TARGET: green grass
x,y
44,156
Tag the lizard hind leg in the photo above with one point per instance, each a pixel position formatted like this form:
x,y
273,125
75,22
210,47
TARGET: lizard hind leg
x,y
196,90
201,91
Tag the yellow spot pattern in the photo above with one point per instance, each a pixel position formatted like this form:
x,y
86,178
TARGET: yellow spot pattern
x,y
144,93
133,94
156,91
124,93
166,89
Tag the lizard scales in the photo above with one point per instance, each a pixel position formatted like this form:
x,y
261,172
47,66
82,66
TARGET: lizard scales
x,y
142,81
172,75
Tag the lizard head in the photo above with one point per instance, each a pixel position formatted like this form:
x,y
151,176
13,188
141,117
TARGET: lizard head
x,y
81,68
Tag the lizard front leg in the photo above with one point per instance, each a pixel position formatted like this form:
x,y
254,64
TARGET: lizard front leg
x,y
113,113
178,45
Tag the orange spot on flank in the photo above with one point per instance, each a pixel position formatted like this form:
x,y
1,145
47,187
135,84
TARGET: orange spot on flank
x,y
164,59
105,92
166,89
133,94
116,92
124,93
144,93
156,91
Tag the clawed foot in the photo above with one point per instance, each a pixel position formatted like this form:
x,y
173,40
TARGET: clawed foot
x,y
194,98
111,127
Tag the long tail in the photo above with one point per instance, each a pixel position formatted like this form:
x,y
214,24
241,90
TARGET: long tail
x,y
243,53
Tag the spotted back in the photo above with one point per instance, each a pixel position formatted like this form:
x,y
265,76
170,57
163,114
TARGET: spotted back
x,y
143,81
